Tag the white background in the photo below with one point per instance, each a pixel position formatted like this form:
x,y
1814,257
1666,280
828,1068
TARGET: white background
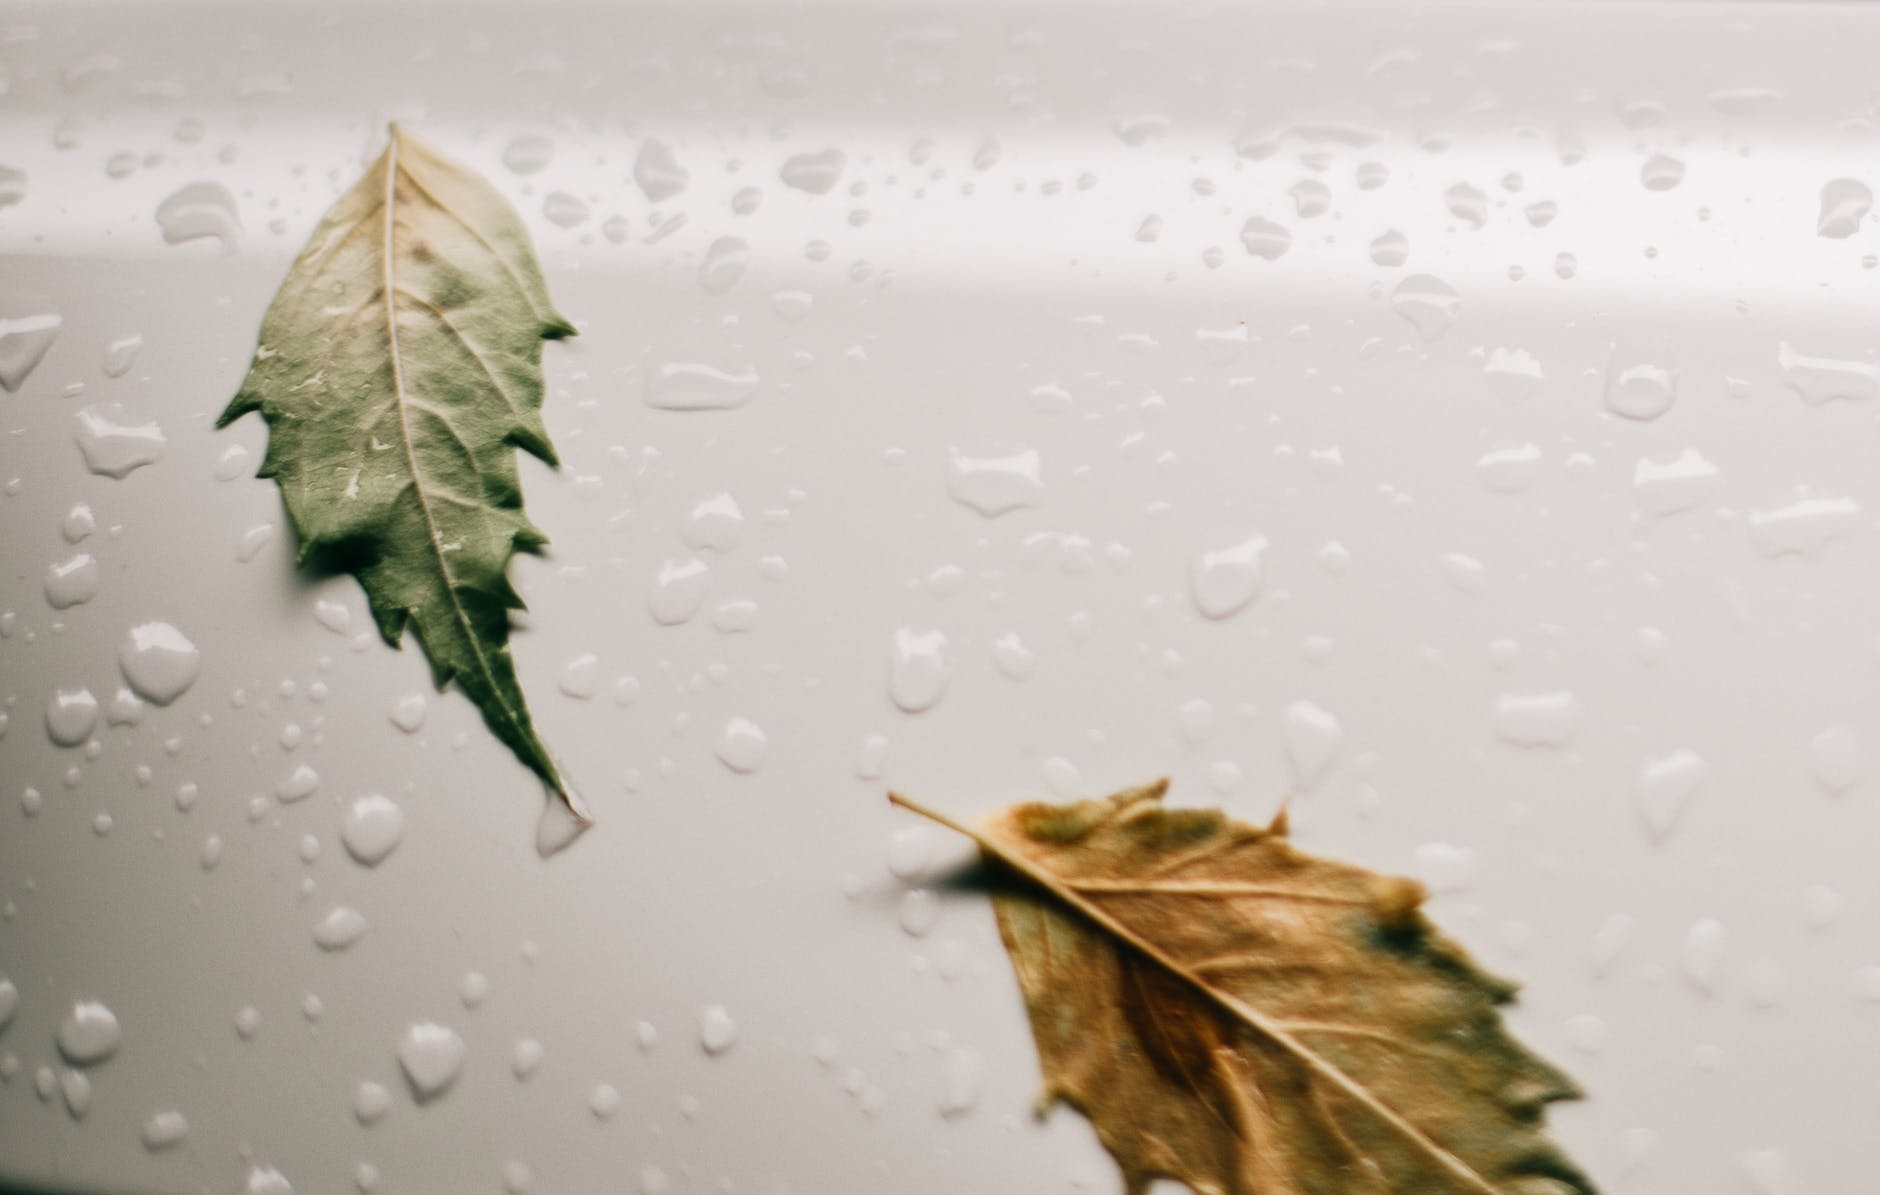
x,y
984,311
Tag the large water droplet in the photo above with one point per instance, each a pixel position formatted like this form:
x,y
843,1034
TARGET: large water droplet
x,y
372,828
742,746
89,1033
1265,239
71,715
1665,785
432,1056
1429,303
1845,202
72,582
1803,526
1538,719
920,670
113,447
997,482
1223,581
695,386
198,210
159,661
815,173
24,340
1824,379
1313,737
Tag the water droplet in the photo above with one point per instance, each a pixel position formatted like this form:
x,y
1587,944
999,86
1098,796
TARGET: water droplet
x,y
164,1130
910,852
678,590
1538,719
1639,386
920,671
1509,470
89,1033
647,1035
9,1002
529,153
1265,239
815,173
658,172
716,523
1223,581
653,1180
78,523
742,746
75,1087
581,676
724,264
1836,760
562,820
300,784
1512,373
1609,940
717,1032
372,828
252,541
604,1101
1541,213
694,386
1313,737
1141,129
113,447
1468,204
266,1180
432,1056
1445,867
24,340
1566,265
340,928
1824,379
526,1059
1845,202
198,210
72,582
996,482
1311,198
1429,304
70,716
1664,487
371,1101
1802,527
1011,657
1704,945
1665,785
962,1077
873,756
1391,248
920,912
121,354
1661,173
564,210
1150,230
408,712
12,186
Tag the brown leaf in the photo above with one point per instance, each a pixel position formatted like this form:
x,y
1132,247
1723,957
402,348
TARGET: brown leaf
x,y
1248,1019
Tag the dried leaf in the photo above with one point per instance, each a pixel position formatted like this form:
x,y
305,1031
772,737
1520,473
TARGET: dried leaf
x,y
399,368
1248,1019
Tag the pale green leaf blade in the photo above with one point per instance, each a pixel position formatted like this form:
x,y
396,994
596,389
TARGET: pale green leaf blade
x,y
399,370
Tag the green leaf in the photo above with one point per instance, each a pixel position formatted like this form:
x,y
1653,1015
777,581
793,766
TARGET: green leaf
x,y
399,368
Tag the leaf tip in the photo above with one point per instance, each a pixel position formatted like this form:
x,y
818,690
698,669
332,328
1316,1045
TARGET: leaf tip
x,y
1281,825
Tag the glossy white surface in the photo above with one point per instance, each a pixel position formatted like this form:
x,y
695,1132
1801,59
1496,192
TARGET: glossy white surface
x,y
1461,419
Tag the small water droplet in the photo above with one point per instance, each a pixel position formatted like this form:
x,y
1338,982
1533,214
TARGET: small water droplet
x,y
1445,867
75,1087
1566,265
1664,487
920,670
1704,945
113,447
874,754
163,1130
198,210
564,210
372,828
371,1101
1845,202
1661,172
604,1101
266,1180
1429,303
724,264
1509,470
300,784
526,1059
1224,580
742,746
1012,658
995,482
694,386
653,1180
1311,198
1836,760
717,1032
962,1077
408,712
658,172
1390,249
716,522
1802,527
1665,785
432,1056
581,676
529,153
71,715
89,1033
815,173
920,912
78,523
1265,239
1468,204
1313,737
340,928
1538,719
121,354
